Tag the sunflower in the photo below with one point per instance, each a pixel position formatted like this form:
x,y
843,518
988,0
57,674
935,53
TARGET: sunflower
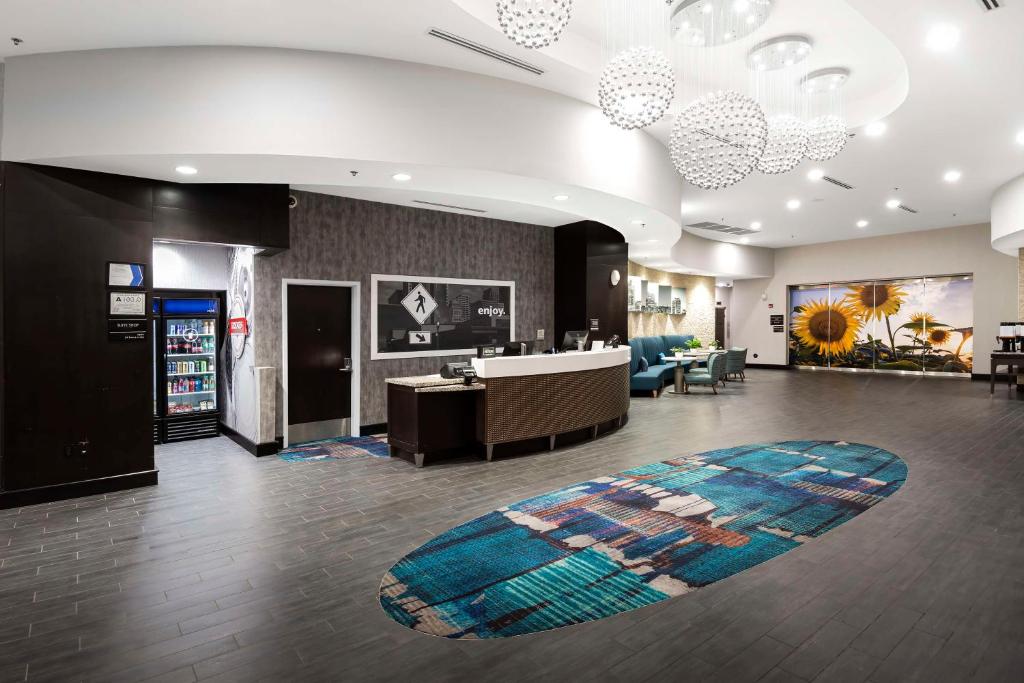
x,y
831,328
938,336
921,321
875,301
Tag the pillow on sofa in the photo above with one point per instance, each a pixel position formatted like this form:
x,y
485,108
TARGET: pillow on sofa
x,y
644,365
661,359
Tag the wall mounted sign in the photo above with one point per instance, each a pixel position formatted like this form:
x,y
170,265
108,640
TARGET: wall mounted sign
x,y
595,324
778,320
131,304
416,338
412,316
120,329
238,326
126,275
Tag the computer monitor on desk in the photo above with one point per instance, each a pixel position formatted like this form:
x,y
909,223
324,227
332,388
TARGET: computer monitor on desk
x,y
572,337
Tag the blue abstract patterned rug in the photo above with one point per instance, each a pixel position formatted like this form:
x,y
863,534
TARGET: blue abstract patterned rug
x,y
635,538
340,447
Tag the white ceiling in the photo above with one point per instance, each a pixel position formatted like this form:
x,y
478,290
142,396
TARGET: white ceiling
x,y
962,111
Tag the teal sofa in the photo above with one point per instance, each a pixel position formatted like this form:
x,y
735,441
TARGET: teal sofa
x,y
658,373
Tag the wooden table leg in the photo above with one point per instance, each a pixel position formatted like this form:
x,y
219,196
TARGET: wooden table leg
x,y
992,379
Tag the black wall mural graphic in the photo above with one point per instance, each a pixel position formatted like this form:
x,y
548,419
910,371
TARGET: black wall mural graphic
x,y
415,317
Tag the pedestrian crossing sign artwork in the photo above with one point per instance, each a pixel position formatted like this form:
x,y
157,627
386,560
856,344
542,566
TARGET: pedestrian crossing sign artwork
x,y
419,303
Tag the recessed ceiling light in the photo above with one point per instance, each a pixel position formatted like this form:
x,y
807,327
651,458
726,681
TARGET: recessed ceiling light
x,y
893,204
745,240
561,197
1020,138
862,223
793,204
708,8
756,225
638,222
402,177
186,170
652,241
943,37
952,176
685,208
815,174
875,129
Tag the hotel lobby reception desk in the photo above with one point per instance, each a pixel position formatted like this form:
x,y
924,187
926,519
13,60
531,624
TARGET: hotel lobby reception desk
x,y
521,398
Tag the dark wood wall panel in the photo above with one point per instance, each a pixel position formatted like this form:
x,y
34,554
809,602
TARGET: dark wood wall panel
x,y
586,253
64,383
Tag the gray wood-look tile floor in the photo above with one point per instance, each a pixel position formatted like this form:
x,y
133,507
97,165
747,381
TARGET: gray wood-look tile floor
x,y
239,569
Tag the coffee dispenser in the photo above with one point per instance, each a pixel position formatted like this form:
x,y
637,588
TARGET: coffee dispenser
x,y
1011,336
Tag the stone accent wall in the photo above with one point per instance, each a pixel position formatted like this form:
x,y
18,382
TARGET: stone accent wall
x,y
336,238
700,306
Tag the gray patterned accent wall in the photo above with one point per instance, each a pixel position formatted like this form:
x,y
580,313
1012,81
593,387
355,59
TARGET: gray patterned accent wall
x,y
335,238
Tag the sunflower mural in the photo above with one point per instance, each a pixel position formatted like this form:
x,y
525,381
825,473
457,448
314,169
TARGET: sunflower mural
x,y
922,325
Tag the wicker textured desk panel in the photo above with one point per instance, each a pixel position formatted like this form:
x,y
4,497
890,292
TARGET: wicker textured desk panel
x,y
533,406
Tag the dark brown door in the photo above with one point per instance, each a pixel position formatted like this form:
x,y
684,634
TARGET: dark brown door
x,y
319,353
720,327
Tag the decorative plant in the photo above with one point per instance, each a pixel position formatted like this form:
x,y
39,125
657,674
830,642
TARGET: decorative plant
x,y
694,343
678,350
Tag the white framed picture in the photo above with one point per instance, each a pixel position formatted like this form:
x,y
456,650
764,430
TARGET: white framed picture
x,y
413,317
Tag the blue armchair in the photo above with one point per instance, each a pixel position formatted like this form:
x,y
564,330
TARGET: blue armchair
x,y
712,376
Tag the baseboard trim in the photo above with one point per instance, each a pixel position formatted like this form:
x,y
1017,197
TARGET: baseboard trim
x,y
369,430
259,450
77,489
769,366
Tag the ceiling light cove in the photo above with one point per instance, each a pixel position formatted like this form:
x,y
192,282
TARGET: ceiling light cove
x,y
186,170
952,176
893,204
401,177
942,37
876,129
793,204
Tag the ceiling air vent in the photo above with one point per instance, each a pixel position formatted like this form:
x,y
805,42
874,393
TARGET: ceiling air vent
x,y
839,183
907,208
485,51
447,206
989,5
718,227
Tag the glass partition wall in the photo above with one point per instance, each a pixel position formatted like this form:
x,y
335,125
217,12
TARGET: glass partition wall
x,y
922,325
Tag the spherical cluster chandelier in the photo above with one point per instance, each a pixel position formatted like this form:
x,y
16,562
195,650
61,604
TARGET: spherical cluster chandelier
x,y
768,111
637,88
787,143
534,23
718,140
826,137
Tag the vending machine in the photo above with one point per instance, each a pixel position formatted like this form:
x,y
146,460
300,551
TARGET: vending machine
x,y
188,332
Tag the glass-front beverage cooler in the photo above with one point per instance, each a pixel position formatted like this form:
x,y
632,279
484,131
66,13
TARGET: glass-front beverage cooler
x,y
189,340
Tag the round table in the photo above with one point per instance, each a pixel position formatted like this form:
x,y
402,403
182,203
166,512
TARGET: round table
x,y
682,362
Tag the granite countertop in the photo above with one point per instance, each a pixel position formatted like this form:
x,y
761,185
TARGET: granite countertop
x,y
429,384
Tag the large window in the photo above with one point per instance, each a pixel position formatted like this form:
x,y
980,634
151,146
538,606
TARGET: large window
x,y
918,325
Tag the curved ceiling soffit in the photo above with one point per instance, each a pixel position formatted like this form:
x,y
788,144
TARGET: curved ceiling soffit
x,y
86,107
1008,217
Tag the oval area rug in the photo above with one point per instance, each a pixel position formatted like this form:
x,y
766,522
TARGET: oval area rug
x,y
620,542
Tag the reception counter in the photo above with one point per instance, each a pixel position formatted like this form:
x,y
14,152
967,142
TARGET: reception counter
x,y
529,397
515,399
